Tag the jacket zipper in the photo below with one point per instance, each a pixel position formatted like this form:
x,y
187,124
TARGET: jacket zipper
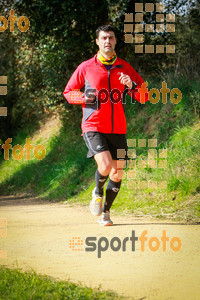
x,y
112,113
112,104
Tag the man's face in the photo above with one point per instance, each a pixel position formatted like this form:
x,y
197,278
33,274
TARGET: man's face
x,y
106,42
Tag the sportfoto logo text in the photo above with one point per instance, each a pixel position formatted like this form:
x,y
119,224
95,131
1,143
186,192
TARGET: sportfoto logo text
x,y
102,244
18,151
23,23
154,94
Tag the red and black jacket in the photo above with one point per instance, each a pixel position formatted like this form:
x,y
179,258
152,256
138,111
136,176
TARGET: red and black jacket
x,y
105,115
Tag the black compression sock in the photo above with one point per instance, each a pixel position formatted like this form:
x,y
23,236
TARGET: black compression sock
x,y
111,193
100,181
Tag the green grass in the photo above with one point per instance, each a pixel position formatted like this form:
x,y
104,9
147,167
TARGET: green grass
x,y
15,285
181,199
184,160
59,175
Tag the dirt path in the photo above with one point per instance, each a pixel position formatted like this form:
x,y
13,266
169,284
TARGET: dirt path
x,y
38,237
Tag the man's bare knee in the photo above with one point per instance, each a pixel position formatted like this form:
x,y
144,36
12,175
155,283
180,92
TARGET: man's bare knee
x,y
104,162
116,173
104,168
117,177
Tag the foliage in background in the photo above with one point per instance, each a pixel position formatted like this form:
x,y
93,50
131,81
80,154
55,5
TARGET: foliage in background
x,y
39,62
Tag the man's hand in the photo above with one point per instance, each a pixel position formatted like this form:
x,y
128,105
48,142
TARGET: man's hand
x,y
126,80
90,96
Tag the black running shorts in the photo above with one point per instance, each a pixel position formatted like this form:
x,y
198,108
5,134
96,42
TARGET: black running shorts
x,y
98,142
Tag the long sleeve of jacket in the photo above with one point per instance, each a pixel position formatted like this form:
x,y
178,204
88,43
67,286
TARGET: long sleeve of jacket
x,y
72,90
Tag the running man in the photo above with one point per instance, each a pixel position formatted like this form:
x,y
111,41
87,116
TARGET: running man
x,y
106,77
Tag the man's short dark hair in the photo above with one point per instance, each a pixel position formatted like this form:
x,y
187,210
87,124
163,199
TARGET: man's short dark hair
x,y
105,28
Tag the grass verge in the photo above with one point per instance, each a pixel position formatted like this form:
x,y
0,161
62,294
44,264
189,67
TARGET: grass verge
x,y
15,284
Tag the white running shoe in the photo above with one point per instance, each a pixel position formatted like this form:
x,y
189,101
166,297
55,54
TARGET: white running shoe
x,y
96,204
105,220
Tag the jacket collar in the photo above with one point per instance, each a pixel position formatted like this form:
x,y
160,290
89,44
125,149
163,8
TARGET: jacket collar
x,y
116,63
